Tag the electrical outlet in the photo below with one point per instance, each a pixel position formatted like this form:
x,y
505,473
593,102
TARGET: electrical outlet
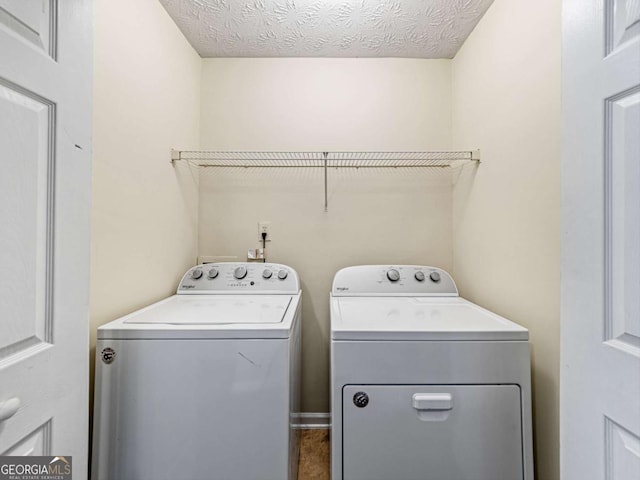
x,y
262,228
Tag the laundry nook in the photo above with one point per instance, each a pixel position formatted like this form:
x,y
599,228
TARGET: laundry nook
x,y
320,240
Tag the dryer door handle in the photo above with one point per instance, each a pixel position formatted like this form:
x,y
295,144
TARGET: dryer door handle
x,y
432,401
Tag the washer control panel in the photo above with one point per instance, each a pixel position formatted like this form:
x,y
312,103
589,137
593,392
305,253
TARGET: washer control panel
x,y
393,280
233,278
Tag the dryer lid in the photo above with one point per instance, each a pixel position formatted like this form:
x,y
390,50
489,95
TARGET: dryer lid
x,y
215,310
418,318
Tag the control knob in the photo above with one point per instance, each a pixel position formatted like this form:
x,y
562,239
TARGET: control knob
x,y
196,274
213,273
240,272
420,276
393,275
267,273
282,274
435,277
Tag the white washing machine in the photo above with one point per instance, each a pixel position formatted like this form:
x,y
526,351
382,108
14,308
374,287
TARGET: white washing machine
x,y
425,385
204,384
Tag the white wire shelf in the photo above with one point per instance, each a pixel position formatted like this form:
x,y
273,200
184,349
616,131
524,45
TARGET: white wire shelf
x,y
325,159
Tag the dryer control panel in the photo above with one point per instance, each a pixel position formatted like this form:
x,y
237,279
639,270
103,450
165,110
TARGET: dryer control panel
x,y
393,280
239,277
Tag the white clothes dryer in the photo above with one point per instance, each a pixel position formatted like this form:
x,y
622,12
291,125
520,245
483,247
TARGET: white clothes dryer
x,y
203,384
425,385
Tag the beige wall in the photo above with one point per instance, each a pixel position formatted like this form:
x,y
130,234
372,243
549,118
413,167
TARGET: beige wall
x,y
506,101
144,213
374,216
325,104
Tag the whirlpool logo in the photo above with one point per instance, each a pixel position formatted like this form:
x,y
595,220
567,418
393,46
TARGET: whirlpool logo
x,y
35,468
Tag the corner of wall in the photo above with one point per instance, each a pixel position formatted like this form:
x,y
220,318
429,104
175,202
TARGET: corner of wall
x,y
506,101
144,212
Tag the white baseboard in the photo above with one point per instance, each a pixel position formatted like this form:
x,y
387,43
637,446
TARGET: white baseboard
x,y
312,421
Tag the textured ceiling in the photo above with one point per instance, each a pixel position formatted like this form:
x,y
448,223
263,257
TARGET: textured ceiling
x,y
327,28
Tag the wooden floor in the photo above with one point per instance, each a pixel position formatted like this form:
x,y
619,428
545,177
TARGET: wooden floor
x,y
315,450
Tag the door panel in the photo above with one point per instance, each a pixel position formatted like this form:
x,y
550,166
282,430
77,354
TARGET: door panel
x,y
622,452
34,22
600,334
37,442
622,25
45,139
452,432
27,123
622,189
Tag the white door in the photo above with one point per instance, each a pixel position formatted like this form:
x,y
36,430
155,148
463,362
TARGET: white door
x,y
600,349
45,176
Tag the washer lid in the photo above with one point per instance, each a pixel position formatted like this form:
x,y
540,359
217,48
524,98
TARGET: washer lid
x,y
214,310
418,318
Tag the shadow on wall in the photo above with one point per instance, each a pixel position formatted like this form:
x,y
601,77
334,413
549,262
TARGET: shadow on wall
x,y
463,181
188,178
315,331
542,404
